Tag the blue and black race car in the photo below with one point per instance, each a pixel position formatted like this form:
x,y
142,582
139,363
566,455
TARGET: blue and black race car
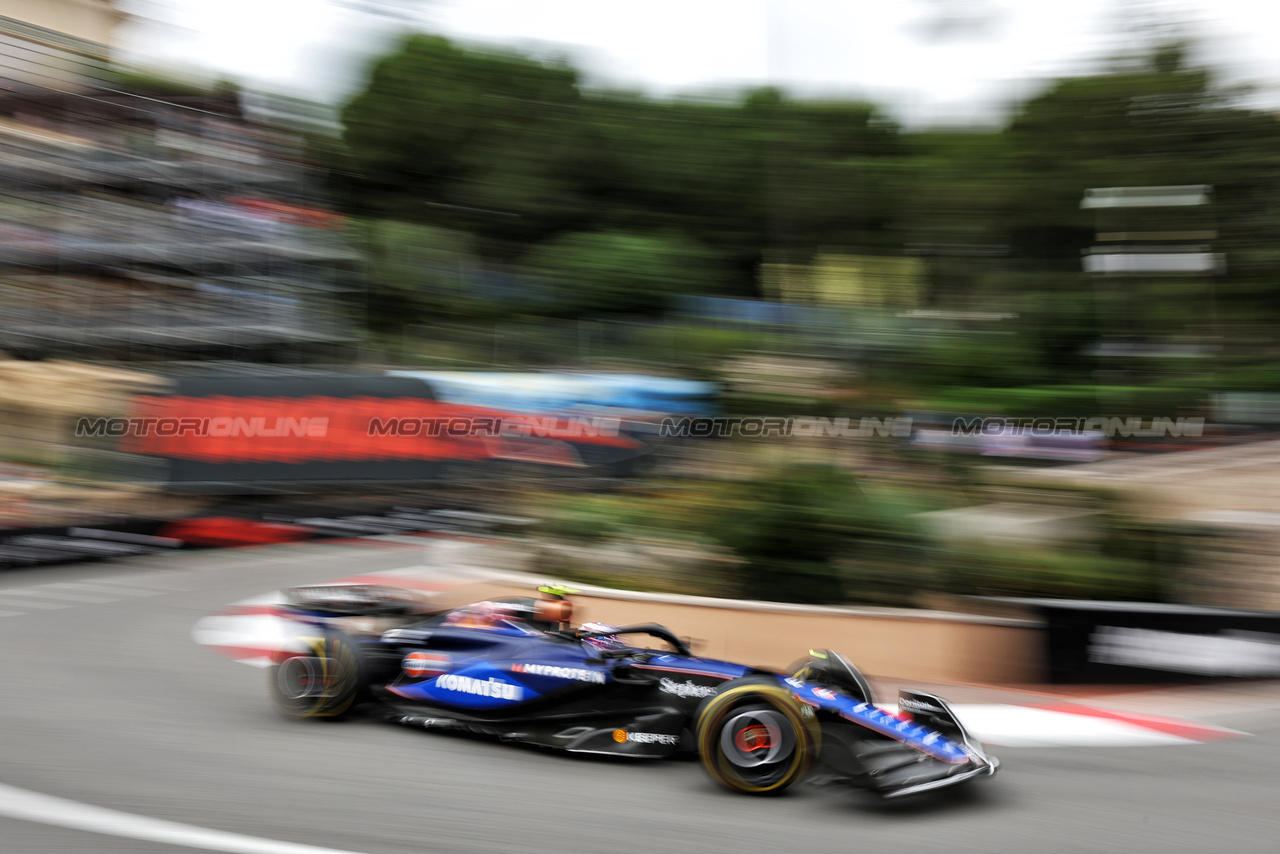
x,y
514,669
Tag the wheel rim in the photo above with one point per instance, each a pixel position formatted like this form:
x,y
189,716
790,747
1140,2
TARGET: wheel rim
x,y
301,677
756,741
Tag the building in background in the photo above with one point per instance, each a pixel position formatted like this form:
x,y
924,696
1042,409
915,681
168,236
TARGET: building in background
x,y
844,280
48,43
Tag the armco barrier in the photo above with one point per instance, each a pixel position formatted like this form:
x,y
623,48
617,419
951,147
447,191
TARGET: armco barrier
x,y
922,646
56,544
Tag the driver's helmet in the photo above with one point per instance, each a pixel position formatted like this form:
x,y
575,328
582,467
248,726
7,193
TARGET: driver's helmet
x,y
603,642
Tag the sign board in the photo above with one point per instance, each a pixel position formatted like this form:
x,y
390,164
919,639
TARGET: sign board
x,y
1131,642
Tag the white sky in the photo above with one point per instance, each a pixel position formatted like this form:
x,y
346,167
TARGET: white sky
x,y
868,48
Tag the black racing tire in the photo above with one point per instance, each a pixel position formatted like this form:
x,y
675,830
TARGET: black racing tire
x,y
753,737
319,676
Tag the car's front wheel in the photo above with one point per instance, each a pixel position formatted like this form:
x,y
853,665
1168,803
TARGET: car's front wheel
x,y
753,737
315,677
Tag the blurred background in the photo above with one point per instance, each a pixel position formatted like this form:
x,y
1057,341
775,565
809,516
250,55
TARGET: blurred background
x,y
874,226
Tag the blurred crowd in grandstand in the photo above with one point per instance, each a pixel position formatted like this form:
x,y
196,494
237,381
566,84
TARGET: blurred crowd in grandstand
x,y
147,227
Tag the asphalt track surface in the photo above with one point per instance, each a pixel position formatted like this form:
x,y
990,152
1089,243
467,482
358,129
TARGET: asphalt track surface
x,y
105,700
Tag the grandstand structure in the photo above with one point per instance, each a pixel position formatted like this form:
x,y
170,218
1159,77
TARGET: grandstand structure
x,y
141,220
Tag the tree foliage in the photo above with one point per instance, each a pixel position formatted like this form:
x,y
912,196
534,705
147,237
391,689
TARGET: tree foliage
x,y
621,201
511,149
809,533
619,272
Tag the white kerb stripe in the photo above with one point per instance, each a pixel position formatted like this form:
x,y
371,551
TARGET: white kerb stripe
x,y
1002,725
262,631
60,812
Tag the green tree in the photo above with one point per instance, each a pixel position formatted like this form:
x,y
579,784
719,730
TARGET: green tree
x,y
810,534
464,139
619,272
511,149
413,275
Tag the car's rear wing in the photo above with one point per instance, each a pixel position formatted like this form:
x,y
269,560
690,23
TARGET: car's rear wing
x,y
346,600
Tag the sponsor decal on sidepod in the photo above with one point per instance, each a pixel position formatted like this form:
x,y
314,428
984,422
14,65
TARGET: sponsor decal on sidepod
x,y
686,688
621,736
483,687
577,673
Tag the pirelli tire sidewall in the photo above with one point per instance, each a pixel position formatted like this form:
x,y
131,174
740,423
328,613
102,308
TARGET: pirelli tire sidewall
x,y
754,691
320,676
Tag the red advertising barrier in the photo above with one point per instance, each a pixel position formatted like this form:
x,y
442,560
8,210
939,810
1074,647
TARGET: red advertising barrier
x,y
330,430
293,429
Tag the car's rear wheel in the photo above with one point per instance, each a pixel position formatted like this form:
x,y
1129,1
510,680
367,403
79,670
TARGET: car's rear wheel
x,y
753,737
316,677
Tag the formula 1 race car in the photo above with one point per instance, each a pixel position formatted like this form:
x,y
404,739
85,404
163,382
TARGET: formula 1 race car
x,y
514,669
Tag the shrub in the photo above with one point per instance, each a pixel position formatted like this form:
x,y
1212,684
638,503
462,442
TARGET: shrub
x,y
811,534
